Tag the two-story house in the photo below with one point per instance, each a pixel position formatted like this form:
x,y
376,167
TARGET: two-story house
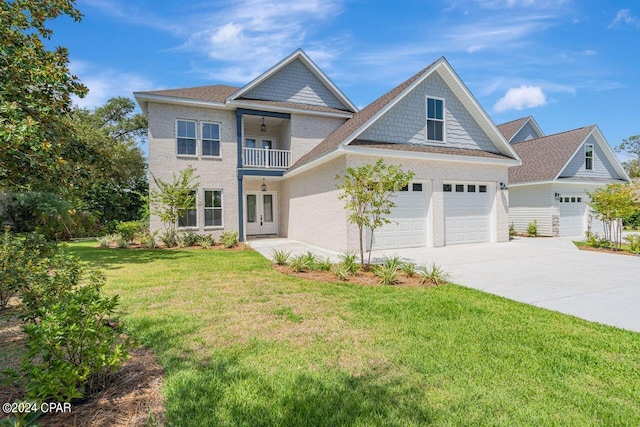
x,y
267,155
558,171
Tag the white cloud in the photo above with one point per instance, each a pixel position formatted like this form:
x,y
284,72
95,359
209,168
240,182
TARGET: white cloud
x,y
519,98
624,16
105,83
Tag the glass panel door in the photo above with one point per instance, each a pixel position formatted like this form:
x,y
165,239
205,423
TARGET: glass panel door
x,y
267,207
251,208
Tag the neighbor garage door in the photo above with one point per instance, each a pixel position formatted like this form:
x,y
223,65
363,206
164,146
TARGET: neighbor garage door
x,y
467,211
408,226
572,219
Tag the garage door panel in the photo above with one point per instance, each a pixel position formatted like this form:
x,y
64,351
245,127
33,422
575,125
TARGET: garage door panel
x,y
408,222
466,215
572,217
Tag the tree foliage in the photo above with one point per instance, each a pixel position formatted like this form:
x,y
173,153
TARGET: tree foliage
x,y
368,193
612,203
170,199
631,146
35,97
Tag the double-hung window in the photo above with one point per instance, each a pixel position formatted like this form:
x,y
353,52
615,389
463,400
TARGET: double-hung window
x,y
211,139
213,208
186,135
188,217
435,120
588,157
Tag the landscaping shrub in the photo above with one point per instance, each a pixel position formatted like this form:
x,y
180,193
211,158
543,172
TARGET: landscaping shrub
x,y
323,264
229,239
632,222
12,260
188,239
408,268
341,271
350,261
512,231
299,263
207,240
433,273
634,242
148,240
281,257
311,260
169,238
387,273
129,229
595,241
121,243
394,262
532,229
71,346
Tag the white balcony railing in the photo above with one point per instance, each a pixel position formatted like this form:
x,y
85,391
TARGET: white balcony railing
x,y
265,158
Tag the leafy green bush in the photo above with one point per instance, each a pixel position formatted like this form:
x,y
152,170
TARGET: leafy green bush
x,y
281,257
433,273
72,348
299,263
394,262
323,264
106,240
311,259
229,239
350,261
207,240
341,271
129,229
512,231
12,261
632,222
595,241
148,240
634,242
532,229
188,239
121,243
169,238
387,273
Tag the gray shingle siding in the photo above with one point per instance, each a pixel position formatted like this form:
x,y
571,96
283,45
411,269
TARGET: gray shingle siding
x,y
602,168
405,122
526,133
295,83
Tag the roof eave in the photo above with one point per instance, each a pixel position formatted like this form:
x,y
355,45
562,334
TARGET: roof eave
x,y
429,156
283,109
146,97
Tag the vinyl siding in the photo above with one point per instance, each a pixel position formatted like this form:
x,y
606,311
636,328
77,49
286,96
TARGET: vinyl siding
x,y
526,133
406,121
602,168
529,203
295,83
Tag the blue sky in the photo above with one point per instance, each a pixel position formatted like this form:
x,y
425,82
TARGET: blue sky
x,y
567,63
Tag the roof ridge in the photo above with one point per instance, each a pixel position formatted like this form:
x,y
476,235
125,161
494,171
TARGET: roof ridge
x,y
516,120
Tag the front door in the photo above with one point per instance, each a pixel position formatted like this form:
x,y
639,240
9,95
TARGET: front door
x,y
261,214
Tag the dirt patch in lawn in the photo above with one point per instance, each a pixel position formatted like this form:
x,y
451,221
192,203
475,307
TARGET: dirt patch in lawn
x,y
132,398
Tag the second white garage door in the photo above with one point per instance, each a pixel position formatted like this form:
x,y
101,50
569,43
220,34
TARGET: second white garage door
x,y
467,213
408,226
572,218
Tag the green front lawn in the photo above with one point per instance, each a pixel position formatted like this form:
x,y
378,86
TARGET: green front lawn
x,y
244,344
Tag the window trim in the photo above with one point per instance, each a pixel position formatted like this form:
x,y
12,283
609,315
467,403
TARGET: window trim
x,y
587,157
190,227
201,139
204,209
443,120
195,138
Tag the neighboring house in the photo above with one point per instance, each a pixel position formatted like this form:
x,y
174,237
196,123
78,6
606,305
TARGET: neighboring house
x,y
268,154
557,171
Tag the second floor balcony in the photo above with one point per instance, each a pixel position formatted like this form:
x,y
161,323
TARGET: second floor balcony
x,y
267,158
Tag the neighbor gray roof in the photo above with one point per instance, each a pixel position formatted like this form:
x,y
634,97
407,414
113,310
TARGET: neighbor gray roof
x,y
509,129
215,93
361,117
544,158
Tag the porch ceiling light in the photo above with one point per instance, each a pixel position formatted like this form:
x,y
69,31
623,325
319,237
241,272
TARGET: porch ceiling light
x,y
263,126
263,187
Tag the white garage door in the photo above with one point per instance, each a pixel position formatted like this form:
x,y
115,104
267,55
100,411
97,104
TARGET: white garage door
x,y
467,211
572,219
408,226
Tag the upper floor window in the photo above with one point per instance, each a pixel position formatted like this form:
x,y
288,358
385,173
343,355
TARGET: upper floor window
x,y
186,135
211,139
435,119
588,157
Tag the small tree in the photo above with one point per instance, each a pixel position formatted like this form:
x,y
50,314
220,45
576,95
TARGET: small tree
x,y
612,203
631,146
172,199
368,192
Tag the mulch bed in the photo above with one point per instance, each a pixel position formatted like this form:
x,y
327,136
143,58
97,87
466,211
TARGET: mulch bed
x,y
605,250
132,398
218,247
365,278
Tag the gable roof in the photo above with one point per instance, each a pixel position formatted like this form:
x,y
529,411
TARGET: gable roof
x,y
511,129
353,127
214,93
543,159
300,55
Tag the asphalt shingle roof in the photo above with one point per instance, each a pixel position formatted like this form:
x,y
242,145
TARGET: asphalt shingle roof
x,y
427,149
543,158
215,93
509,129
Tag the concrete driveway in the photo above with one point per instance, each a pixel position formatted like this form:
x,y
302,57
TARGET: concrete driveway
x,y
545,272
